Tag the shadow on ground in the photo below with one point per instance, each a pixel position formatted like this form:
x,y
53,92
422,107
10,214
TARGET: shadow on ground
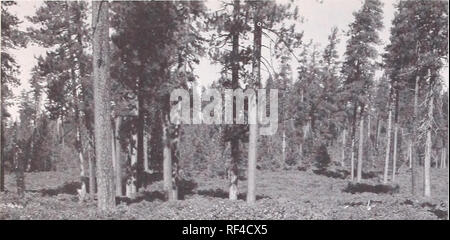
x,y
343,174
220,193
185,187
143,196
364,187
67,188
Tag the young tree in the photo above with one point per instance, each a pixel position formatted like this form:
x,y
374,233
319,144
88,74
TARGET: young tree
x,y
230,25
22,140
266,18
149,70
359,65
61,26
418,46
12,38
428,145
253,132
102,113
388,145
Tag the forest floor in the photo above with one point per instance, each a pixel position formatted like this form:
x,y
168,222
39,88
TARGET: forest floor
x,y
289,194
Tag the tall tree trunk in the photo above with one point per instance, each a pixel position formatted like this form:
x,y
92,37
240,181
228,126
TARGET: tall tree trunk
x,y
78,141
146,168
92,181
395,154
171,156
410,153
140,140
102,111
360,149
443,156
131,186
427,162
253,135
283,145
300,146
388,147
436,159
174,144
2,165
414,138
369,140
61,133
235,153
377,138
252,155
20,168
167,161
394,157
343,148
352,160
118,151
368,127
233,171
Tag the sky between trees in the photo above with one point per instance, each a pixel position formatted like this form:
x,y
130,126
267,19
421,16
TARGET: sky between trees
x,y
319,16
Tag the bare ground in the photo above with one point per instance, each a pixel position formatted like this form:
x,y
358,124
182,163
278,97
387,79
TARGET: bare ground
x,y
289,194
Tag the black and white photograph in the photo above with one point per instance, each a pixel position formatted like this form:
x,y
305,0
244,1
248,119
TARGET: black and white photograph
x,y
224,110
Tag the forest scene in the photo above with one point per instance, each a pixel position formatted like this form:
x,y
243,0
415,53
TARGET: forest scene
x,y
357,93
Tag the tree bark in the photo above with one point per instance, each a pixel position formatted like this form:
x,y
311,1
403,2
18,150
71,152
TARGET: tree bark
x,y
83,178
283,146
167,162
102,111
343,149
369,141
140,140
253,135
410,154
352,160
2,165
414,137
78,141
388,147
235,153
233,171
427,162
443,156
92,187
131,187
146,168
368,127
395,154
20,176
360,149
61,131
394,157
175,153
300,147
118,151
377,138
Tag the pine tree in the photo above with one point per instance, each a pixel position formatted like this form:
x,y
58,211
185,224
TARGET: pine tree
x,y
418,45
102,113
149,70
65,68
359,67
12,38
